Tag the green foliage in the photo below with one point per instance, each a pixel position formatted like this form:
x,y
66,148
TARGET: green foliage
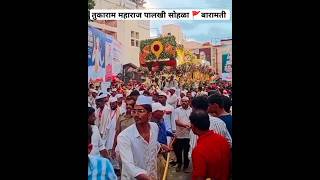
x,y
164,40
91,5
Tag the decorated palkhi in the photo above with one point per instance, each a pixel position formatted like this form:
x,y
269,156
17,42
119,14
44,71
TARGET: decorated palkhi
x,y
164,57
188,75
155,54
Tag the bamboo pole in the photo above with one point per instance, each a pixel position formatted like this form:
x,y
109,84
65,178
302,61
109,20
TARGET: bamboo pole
x,y
167,162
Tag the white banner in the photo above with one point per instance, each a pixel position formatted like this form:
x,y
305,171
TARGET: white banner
x,y
117,57
160,14
105,86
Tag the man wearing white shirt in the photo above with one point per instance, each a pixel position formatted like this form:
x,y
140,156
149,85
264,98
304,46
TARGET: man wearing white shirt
x,y
101,108
108,117
193,93
113,92
201,92
91,98
168,117
182,94
172,82
98,147
121,104
172,98
189,95
138,145
98,167
181,145
108,124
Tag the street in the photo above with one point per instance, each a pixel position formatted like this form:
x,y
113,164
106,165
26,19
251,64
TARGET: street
x,y
173,175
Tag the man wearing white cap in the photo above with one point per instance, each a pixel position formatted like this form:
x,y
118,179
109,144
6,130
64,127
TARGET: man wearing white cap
x,y
201,92
172,99
121,104
128,89
182,94
102,108
168,117
181,146
91,97
157,117
113,92
138,145
193,93
158,111
173,82
108,129
98,147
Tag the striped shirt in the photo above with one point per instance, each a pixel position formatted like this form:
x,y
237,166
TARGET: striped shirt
x,y
100,168
216,125
219,127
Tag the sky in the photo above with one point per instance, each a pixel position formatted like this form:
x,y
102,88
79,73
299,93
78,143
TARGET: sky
x,y
201,31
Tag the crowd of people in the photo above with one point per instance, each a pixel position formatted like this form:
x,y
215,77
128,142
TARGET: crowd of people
x,y
134,128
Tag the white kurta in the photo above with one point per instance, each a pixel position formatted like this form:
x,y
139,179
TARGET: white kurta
x,y
92,101
202,93
123,109
169,119
110,131
96,141
137,155
100,119
172,100
179,101
107,126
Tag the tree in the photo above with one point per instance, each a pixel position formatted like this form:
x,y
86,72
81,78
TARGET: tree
x,y
91,5
139,3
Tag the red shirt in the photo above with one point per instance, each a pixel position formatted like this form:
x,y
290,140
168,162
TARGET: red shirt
x,y
211,157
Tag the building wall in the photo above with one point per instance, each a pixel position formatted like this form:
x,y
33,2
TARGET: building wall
x,y
131,53
226,42
191,45
175,30
216,51
114,4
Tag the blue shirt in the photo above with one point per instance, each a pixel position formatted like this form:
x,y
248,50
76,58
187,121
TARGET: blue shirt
x,y
228,120
100,168
163,133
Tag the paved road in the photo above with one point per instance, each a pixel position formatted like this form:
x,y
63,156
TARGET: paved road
x,y
173,175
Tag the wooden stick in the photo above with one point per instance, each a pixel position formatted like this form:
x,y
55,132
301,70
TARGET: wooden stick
x,y
166,168
167,162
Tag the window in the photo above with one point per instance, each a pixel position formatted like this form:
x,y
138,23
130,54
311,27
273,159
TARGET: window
x,y
135,39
